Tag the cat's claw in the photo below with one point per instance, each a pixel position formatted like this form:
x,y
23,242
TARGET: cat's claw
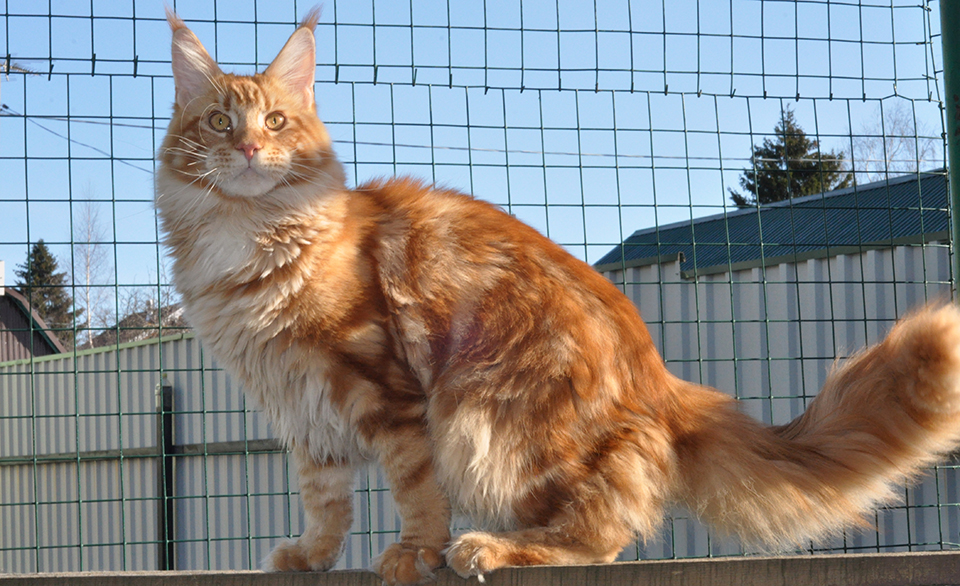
x,y
472,555
404,564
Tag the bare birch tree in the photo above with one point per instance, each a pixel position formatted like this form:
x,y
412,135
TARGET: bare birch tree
x,y
894,144
91,271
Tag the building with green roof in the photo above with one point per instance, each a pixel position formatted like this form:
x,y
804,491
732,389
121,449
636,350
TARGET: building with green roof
x,y
760,302
911,209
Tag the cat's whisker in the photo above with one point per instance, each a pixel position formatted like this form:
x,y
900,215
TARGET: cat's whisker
x,y
312,166
182,120
208,110
191,143
198,175
306,171
185,139
313,172
185,187
186,152
313,181
195,203
189,210
214,82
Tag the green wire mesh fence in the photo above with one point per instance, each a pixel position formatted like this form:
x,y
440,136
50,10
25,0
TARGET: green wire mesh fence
x,y
764,178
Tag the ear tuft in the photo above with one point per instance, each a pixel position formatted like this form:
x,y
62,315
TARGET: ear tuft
x,y
296,63
193,68
311,19
173,20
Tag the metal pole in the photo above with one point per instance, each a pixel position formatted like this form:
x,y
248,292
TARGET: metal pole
x,y
949,21
165,483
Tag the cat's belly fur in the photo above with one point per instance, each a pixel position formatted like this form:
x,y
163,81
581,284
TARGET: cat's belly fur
x,y
481,473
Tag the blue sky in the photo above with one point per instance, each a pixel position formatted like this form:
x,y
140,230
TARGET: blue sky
x,y
586,167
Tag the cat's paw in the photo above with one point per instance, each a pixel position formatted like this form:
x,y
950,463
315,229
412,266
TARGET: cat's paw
x,y
406,564
294,556
475,554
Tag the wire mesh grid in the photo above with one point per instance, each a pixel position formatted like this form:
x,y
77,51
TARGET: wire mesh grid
x,y
620,129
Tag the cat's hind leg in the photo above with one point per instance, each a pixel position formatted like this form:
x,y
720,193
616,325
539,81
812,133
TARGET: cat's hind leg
x,y
584,515
588,531
480,552
326,489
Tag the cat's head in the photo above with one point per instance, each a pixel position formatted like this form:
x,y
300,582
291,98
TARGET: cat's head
x,y
244,136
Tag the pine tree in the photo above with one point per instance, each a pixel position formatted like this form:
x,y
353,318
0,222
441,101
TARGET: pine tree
x,y
789,165
45,289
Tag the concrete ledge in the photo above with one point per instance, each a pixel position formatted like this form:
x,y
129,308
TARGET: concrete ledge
x,y
908,569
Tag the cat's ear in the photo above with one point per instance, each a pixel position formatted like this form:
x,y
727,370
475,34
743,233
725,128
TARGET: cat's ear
x,y
193,68
295,64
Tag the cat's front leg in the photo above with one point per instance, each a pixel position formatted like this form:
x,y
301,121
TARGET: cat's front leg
x,y
406,457
326,489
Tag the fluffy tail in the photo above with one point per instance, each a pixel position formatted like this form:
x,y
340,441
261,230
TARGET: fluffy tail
x,y
881,417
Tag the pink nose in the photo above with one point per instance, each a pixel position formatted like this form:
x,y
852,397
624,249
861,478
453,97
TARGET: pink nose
x,y
249,149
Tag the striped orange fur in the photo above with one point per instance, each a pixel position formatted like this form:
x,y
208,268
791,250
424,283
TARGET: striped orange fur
x,y
483,367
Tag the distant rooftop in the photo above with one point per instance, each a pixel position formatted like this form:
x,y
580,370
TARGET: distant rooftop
x,y
907,209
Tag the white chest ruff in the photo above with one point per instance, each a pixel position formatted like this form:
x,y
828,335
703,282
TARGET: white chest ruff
x,y
229,249
290,384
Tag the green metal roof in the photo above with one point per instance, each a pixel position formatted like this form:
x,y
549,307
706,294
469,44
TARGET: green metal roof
x,y
911,208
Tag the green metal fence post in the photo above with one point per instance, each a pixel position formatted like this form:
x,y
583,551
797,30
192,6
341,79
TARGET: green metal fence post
x,y
165,483
949,18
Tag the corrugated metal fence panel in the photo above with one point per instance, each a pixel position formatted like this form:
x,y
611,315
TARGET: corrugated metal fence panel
x,y
17,519
230,509
16,405
55,407
141,529
108,399
54,519
242,505
713,328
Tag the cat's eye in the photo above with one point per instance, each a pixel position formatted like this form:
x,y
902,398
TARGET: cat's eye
x,y
220,122
274,121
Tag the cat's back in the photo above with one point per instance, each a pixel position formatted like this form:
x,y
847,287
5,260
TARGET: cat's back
x,y
412,205
481,285
430,224
432,233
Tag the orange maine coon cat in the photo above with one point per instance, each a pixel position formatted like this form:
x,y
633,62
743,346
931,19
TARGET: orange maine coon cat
x,y
484,368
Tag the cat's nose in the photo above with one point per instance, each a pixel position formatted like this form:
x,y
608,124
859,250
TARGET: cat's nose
x,y
249,149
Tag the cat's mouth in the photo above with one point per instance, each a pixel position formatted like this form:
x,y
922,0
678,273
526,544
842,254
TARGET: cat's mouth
x,y
248,181
251,172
